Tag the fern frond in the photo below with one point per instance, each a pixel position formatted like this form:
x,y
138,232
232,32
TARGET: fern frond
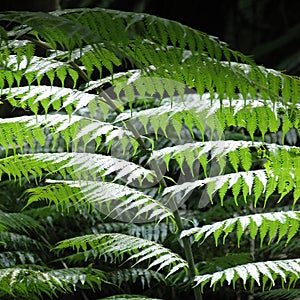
x,y
273,224
238,153
114,199
159,43
15,241
9,259
58,98
117,245
146,277
204,112
280,294
17,133
31,68
19,222
261,273
22,282
76,165
158,232
242,183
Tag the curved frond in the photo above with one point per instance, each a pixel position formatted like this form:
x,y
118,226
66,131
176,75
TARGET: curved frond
x,y
117,245
275,225
113,199
157,42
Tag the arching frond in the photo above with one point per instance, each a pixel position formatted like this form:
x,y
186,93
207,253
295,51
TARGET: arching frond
x,y
158,42
112,199
275,225
117,245
260,273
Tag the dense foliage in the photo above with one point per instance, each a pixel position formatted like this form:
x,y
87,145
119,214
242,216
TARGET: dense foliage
x,y
134,146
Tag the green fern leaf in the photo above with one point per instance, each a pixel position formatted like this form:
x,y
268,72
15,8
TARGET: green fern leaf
x,y
116,245
255,272
275,223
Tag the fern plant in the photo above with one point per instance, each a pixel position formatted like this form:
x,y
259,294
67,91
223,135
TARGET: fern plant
x,y
143,142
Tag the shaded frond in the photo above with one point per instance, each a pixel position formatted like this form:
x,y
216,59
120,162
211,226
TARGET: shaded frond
x,y
275,225
15,241
21,282
280,294
10,259
158,232
117,245
19,222
147,278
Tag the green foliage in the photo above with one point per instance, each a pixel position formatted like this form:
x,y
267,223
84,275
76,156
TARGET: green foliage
x,y
144,143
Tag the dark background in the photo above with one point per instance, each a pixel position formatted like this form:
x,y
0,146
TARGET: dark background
x,y
268,30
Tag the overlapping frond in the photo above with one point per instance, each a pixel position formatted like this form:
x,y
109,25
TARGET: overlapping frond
x,y
147,82
116,246
157,42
